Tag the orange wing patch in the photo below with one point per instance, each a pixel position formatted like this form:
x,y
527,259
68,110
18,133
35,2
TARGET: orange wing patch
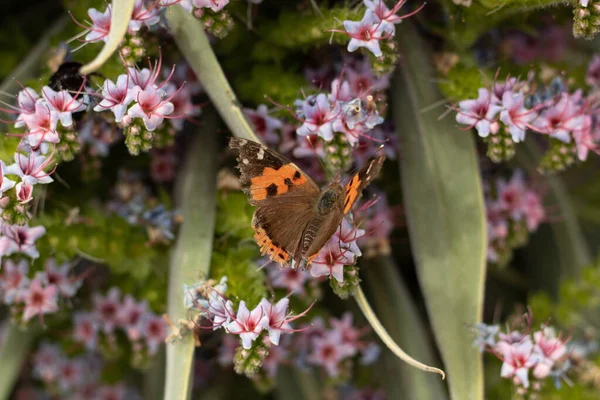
x,y
351,193
274,182
266,245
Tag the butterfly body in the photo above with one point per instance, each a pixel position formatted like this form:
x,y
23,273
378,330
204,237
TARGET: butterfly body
x,y
294,218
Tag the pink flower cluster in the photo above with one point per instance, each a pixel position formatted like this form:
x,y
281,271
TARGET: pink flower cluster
x,y
248,324
143,328
139,94
542,353
512,208
75,377
39,295
377,24
330,348
563,116
343,111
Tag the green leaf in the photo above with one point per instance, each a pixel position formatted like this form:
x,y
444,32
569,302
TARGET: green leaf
x,y
296,384
443,199
194,45
190,263
391,300
14,349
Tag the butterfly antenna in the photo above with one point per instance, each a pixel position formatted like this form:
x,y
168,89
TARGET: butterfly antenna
x,y
327,173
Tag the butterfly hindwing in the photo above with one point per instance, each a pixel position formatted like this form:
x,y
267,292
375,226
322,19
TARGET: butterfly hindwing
x,y
359,181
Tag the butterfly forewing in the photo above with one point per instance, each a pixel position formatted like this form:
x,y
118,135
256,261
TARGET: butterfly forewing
x,y
359,181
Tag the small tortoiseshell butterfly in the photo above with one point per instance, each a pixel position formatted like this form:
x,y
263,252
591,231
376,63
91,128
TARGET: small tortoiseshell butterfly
x,y
294,218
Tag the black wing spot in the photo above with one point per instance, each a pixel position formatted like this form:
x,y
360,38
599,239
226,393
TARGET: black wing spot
x,y
272,190
297,175
288,182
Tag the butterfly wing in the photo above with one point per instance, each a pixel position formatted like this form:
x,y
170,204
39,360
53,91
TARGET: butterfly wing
x,y
285,198
359,181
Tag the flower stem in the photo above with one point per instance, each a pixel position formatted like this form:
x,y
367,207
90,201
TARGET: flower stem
x,y
119,21
194,45
369,314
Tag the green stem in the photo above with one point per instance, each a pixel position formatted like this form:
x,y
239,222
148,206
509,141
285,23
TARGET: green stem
x,y
190,262
13,352
119,21
369,314
194,45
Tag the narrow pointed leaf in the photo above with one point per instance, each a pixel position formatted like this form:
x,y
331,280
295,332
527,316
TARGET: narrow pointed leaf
x,y
194,45
190,263
14,349
443,199
119,22
394,306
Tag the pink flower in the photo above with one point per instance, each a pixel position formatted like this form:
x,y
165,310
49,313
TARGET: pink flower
x,y
276,320
362,80
63,104
330,261
151,107
518,359
5,183
155,331
350,335
291,279
549,349
71,373
497,222
515,115
367,33
59,276
163,165
116,97
318,114
511,195
214,5
100,26
107,309
20,239
329,350
130,316
347,235
479,113
24,192
41,125
142,15
560,119
85,330
387,17
14,281
45,361
584,140
534,210
247,324
592,77
26,100
30,168
39,300
263,124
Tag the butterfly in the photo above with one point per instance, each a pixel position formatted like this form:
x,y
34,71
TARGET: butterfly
x,y
294,218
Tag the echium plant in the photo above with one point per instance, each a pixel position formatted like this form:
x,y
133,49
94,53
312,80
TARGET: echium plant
x,y
133,266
